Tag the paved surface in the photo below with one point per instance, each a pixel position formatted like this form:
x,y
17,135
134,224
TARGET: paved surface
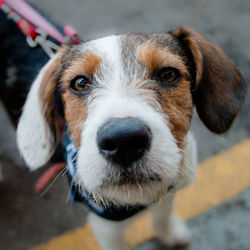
x,y
189,203
225,227
27,220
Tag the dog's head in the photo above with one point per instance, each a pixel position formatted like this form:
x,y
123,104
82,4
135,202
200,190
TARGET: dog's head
x,y
127,101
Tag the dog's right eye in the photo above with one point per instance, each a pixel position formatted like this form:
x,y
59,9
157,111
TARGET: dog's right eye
x,y
80,84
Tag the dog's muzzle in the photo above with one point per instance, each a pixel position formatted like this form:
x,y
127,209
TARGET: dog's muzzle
x,y
124,140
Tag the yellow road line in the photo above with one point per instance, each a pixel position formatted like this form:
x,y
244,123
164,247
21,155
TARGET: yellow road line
x,y
219,178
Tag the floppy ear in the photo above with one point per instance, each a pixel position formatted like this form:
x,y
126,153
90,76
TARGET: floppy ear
x,y
220,86
37,128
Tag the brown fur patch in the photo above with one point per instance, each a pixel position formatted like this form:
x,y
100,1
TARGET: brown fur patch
x,y
154,57
75,107
86,64
75,114
177,103
220,85
47,90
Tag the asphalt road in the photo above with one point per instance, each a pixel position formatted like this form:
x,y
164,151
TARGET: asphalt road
x,y
27,219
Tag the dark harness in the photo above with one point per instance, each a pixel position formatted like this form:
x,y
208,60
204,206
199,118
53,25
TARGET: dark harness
x,y
110,211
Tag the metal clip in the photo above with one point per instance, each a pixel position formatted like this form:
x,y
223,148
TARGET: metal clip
x,y
48,46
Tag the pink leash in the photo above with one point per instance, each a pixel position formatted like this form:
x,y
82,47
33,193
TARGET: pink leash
x,y
26,11
36,28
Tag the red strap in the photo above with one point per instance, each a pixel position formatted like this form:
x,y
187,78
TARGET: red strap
x,y
26,28
1,4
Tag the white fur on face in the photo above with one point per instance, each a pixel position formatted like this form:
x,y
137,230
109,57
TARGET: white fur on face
x,y
114,98
163,158
35,139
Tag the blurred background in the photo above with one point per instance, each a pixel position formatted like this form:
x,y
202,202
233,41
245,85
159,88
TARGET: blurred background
x,y
27,219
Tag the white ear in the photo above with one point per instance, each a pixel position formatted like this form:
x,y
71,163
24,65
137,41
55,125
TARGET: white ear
x,y
35,138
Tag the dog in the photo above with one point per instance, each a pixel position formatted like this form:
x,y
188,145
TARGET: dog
x,y
127,102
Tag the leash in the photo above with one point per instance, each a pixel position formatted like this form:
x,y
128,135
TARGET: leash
x,y
36,28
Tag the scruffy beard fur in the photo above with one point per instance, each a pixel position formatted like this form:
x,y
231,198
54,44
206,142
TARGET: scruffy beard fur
x,y
132,194
138,187
140,184
146,179
143,186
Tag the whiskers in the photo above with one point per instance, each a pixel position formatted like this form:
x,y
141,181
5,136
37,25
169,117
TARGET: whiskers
x,y
135,175
97,197
60,174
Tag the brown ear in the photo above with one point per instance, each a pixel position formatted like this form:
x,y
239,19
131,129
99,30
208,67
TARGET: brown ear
x,y
37,127
220,86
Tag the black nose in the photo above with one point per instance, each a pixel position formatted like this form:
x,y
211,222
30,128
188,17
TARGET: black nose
x,y
124,140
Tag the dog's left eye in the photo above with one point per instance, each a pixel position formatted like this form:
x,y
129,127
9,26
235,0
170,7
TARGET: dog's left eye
x,y
168,75
80,83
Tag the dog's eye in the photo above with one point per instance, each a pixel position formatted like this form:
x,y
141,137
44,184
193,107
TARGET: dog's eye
x,y
80,83
168,75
